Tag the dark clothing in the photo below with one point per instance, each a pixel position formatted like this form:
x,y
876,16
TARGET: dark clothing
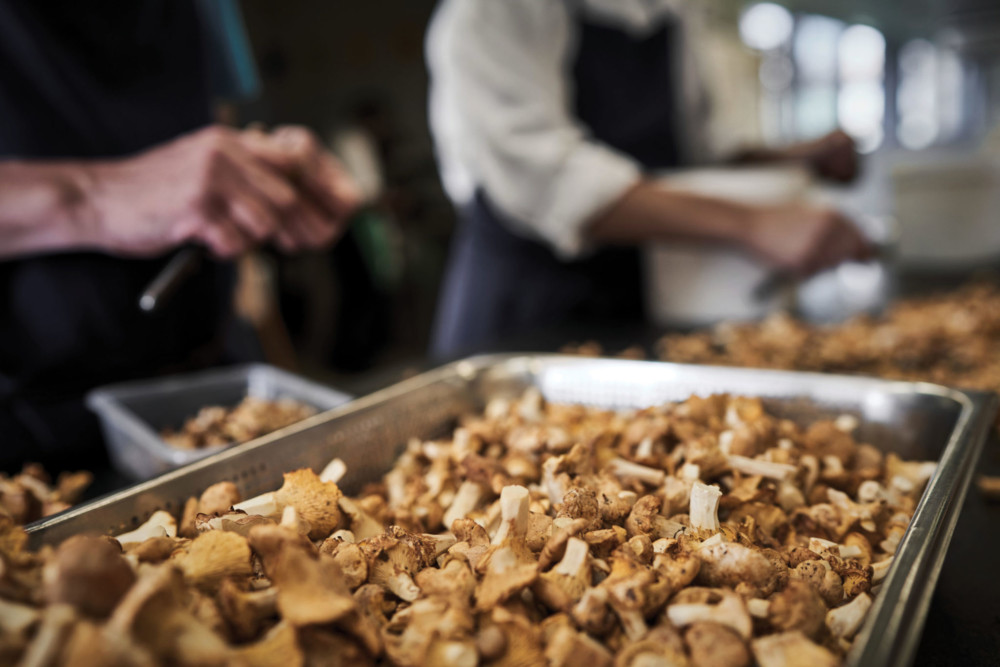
x,y
94,80
499,284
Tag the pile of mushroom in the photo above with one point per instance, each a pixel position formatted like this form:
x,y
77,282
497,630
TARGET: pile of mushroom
x,y
952,338
701,533
250,418
31,495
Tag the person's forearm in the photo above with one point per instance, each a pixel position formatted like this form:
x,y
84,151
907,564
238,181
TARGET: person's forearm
x,y
43,208
650,212
798,239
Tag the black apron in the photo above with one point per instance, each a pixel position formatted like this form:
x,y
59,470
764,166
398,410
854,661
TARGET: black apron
x,y
94,80
499,285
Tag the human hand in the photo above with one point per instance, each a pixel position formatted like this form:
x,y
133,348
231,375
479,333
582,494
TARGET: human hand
x,y
801,240
330,194
226,189
832,156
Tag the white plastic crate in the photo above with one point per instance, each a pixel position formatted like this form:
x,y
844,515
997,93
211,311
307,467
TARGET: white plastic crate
x,y
133,414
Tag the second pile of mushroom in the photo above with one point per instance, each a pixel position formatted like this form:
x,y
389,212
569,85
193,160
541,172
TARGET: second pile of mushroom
x,y
250,418
701,533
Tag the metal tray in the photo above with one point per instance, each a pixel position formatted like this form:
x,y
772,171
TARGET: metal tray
x,y
916,420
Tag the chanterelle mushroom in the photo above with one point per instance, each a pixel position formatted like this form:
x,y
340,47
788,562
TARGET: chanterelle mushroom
x,y
88,573
729,611
797,607
505,575
213,557
629,587
730,564
790,649
160,524
316,501
218,498
568,648
311,588
712,644
565,584
844,621
393,559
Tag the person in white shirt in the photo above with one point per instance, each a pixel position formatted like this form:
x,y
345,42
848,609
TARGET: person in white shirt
x,y
548,117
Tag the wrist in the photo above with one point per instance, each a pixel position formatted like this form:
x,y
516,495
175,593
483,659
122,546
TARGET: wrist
x,y
75,188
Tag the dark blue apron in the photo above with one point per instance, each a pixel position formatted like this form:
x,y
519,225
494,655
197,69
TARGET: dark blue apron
x,y
93,80
499,285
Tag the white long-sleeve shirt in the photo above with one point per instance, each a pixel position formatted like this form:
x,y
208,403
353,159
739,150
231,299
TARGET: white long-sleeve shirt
x,y
501,109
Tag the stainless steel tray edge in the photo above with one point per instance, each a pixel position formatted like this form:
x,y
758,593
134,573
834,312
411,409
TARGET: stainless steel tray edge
x,y
891,633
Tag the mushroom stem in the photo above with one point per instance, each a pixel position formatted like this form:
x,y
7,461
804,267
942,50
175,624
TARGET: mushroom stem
x,y
550,478
844,621
441,542
334,471
514,506
466,499
754,467
729,612
403,586
262,505
160,524
51,635
819,545
704,508
575,558
622,468
758,608
632,622
645,448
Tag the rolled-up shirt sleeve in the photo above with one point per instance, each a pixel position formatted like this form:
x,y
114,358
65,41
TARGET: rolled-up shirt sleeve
x,y
501,71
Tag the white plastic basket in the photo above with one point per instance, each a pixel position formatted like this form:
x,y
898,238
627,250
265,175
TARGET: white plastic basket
x,y
133,414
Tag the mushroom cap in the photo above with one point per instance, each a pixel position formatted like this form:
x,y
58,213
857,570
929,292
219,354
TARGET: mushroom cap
x,y
506,575
729,564
710,644
311,587
278,648
246,612
155,549
797,607
455,578
568,648
218,498
213,557
317,502
88,573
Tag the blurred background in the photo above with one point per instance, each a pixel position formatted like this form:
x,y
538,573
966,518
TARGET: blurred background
x,y
916,84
